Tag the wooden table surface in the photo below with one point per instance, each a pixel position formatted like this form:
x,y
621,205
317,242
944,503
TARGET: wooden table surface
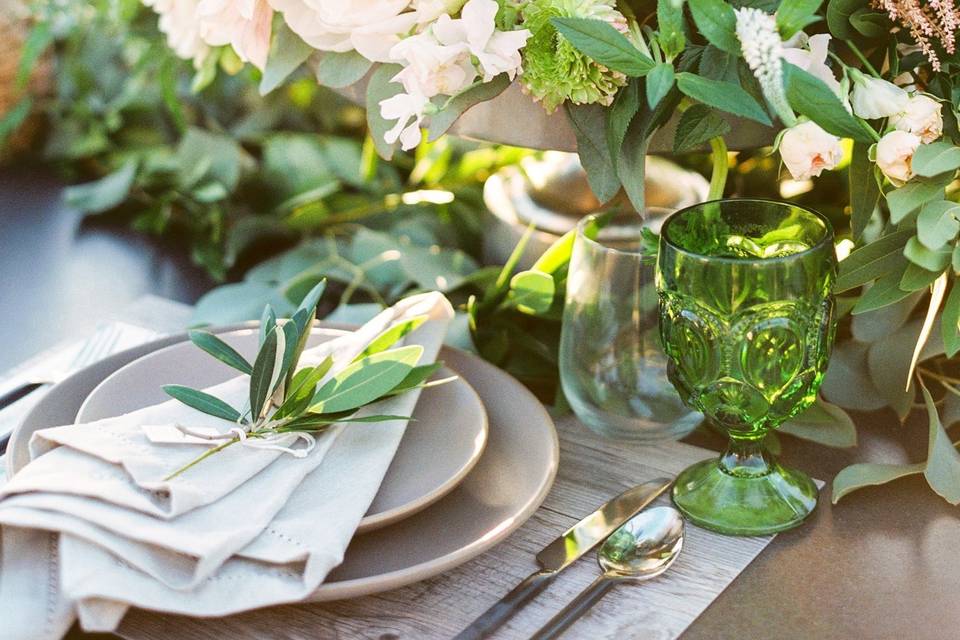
x,y
884,563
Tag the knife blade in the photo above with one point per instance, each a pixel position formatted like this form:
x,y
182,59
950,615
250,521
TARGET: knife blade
x,y
564,551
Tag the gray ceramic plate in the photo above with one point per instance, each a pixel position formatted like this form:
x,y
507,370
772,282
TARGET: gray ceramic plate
x,y
508,484
436,453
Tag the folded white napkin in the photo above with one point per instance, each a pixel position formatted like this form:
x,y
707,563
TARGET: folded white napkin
x,y
90,527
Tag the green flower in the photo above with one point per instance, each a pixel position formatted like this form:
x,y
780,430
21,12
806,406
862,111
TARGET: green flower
x,y
553,70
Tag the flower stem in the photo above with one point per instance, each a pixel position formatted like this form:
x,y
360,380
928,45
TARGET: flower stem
x,y
863,58
718,181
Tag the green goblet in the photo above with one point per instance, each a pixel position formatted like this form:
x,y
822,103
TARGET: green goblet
x,y
746,320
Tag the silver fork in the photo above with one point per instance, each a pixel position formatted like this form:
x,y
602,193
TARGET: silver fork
x,y
97,347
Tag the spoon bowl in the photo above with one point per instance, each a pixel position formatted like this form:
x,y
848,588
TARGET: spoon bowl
x,y
643,548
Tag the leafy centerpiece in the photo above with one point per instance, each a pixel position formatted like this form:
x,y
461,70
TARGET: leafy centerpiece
x,y
287,403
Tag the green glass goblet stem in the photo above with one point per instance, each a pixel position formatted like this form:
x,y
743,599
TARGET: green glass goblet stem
x,y
746,320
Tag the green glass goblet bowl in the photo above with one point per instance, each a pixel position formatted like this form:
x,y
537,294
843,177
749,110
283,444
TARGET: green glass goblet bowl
x,y
746,321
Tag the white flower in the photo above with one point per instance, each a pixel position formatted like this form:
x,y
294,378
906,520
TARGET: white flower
x,y
810,54
807,150
496,51
371,27
403,107
431,68
178,21
430,10
243,24
895,155
921,118
874,98
762,50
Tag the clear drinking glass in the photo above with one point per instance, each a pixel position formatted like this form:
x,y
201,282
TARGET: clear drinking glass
x,y
612,367
746,315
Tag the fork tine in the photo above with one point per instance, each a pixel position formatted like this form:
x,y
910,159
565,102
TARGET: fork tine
x,y
102,347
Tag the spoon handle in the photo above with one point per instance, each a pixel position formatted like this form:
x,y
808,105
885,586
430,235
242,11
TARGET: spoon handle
x,y
569,614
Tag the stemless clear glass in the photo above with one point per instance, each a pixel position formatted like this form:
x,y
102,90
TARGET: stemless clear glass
x,y
746,316
612,367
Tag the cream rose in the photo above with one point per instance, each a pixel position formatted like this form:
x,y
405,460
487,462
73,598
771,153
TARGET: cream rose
x,y
370,27
874,98
807,150
921,118
178,21
895,155
245,25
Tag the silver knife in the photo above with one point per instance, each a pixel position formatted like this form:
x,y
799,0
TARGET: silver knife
x,y
564,551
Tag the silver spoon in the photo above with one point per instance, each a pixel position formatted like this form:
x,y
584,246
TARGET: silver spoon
x,y
641,549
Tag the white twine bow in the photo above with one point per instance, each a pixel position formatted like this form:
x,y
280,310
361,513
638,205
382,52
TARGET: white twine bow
x,y
266,442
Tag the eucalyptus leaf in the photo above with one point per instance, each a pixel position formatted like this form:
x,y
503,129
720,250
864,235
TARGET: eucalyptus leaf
x,y
203,402
911,196
950,321
847,382
937,223
391,336
935,261
933,159
287,52
868,474
381,87
943,460
441,122
888,362
697,126
824,423
717,22
916,278
598,40
725,96
873,325
337,69
103,194
872,260
220,350
864,189
885,291
366,381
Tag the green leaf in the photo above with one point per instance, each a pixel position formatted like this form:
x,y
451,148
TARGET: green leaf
x,y
416,378
911,196
864,189
220,350
13,118
877,324
794,15
268,321
955,259
105,193
598,40
722,95
206,155
621,114
838,17
589,123
943,461
39,40
670,26
341,69
871,261
203,402
935,261
261,378
366,381
697,126
847,382
950,321
717,22
809,96
824,423
659,82
872,24
310,302
868,474
441,122
380,88
889,359
287,52
885,291
302,386
315,422
937,223
916,278
390,336
532,292
935,158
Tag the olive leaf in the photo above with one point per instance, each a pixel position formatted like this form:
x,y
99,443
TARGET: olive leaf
x,y
302,387
220,350
201,401
262,379
390,336
366,380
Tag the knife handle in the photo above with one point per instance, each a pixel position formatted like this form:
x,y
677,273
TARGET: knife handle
x,y
572,612
19,392
496,615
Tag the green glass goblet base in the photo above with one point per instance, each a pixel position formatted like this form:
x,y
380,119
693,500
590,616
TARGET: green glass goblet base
x,y
744,494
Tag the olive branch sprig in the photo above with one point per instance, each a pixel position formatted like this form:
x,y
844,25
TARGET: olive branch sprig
x,y
284,399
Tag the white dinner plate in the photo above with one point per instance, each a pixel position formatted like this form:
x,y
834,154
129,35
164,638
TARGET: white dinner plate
x,y
438,450
506,487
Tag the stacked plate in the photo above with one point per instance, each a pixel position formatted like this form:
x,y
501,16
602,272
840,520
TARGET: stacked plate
x,y
476,462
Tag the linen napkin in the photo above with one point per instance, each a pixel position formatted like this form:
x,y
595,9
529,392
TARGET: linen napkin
x,y
245,529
